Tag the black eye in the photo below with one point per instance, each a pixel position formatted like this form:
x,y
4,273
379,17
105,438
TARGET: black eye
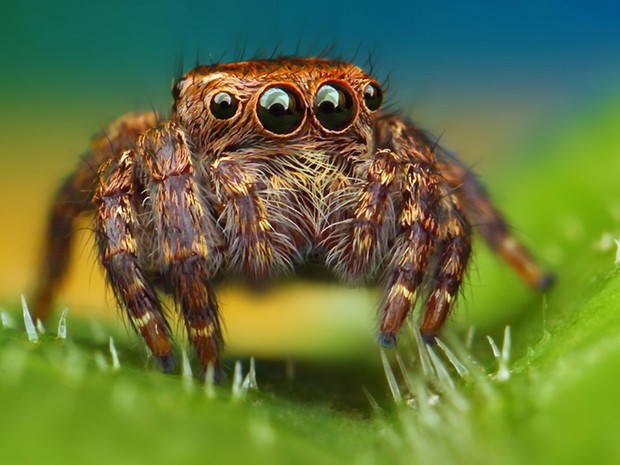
x,y
280,110
373,97
224,105
334,106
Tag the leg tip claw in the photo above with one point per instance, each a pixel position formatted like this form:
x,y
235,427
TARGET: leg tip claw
x,y
545,282
386,340
167,363
429,337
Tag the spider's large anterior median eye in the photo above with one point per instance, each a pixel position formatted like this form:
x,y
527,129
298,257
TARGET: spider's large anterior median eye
x,y
373,96
280,110
334,106
224,105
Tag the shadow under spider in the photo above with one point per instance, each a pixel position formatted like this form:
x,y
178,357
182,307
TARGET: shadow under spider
x,y
337,385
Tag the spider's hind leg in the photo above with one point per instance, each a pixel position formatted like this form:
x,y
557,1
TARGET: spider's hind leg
x,y
71,200
74,198
490,223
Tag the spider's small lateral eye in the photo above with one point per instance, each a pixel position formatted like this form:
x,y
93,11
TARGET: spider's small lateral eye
x,y
280,110
224,105
334,106
373,96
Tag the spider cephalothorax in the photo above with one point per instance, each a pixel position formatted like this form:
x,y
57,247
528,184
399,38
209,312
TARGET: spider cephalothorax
x,y
262,166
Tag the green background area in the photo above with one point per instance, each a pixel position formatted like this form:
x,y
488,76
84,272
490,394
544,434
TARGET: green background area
x,y
529,95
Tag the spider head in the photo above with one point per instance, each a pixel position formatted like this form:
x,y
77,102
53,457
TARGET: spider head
x,y
277,103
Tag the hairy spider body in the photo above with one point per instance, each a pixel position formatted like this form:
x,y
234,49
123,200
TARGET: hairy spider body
x,y
261,167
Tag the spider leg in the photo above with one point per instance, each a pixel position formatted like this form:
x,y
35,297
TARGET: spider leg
x,y
487,220
189,241
453,254
259,249
71,200
433,242
493,227
413,248
75,197
115,226
358,248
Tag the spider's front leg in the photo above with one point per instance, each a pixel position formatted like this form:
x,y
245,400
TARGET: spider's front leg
x,y
116,226
428,226
190,242
356,245
422,222
452,258
258,247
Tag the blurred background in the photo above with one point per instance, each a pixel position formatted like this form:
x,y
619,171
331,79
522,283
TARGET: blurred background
x,y
485,75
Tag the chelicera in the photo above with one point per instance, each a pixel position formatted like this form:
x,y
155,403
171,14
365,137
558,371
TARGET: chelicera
x,y
260,168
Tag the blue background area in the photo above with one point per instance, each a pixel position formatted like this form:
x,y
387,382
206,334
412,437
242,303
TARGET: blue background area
x,y
485,75
564,46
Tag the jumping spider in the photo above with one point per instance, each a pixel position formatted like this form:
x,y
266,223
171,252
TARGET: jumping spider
x,y
263,166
